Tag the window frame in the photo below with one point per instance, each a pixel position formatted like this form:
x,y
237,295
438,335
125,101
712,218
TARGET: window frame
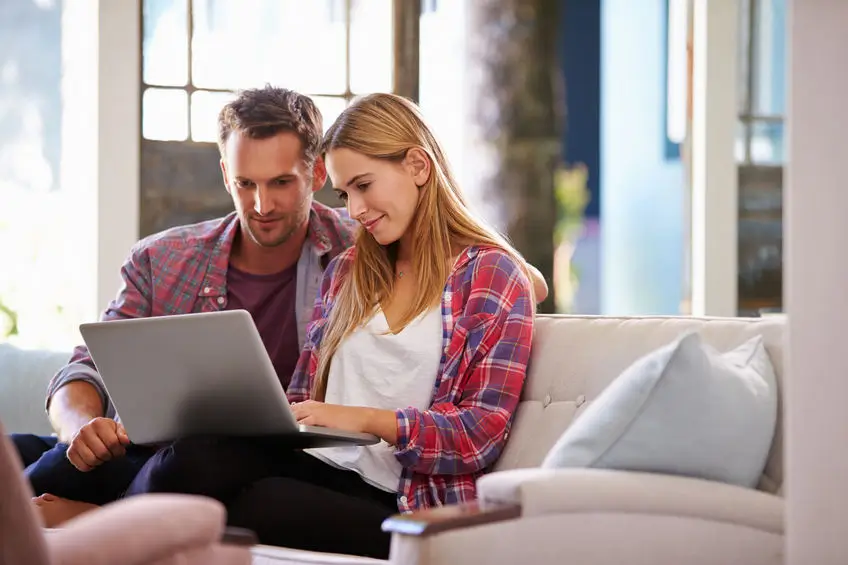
x,y
189,88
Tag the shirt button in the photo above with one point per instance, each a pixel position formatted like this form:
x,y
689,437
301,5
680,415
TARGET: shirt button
x,y
547,400
403,499
207,290
220,300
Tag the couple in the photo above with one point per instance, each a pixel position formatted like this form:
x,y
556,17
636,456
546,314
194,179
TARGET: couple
x,y
420,333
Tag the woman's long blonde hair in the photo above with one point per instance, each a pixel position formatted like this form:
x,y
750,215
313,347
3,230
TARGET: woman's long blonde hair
x,y
386,126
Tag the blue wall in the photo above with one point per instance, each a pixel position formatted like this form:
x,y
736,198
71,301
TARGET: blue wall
x,y
641,203
580,54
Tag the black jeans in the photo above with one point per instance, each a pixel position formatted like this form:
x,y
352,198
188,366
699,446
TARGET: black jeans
x,y
49,471
287,497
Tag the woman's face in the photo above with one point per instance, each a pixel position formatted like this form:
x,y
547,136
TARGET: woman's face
x,y
382,195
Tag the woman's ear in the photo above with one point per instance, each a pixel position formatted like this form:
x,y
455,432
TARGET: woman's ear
x,y
417,163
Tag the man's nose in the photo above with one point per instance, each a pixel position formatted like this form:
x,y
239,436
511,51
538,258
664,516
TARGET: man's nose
x,y
262,202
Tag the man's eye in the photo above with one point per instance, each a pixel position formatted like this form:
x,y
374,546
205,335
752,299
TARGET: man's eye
x,y
282,182
241,183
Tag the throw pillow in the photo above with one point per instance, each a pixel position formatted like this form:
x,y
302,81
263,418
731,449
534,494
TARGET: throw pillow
x,y
683,409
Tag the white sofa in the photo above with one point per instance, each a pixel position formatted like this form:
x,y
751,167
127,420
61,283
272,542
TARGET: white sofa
x,y
594,517
24,374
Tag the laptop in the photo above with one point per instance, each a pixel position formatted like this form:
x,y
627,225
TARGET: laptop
x,y
202,374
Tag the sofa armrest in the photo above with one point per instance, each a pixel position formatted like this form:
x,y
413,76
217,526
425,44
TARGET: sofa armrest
x,y
138,530
508,495
556,491
239,536
436,520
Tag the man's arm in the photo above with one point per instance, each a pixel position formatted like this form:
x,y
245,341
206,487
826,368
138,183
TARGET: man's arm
x,y
73,406
76,394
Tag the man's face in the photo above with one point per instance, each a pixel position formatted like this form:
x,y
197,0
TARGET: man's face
x,y
271,185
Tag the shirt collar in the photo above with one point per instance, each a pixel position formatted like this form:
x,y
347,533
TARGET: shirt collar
x,y
215,281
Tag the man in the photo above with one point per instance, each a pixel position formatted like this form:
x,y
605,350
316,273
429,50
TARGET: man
x,y
267,257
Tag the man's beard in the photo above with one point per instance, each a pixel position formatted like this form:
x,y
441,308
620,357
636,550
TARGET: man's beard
x,y
288,225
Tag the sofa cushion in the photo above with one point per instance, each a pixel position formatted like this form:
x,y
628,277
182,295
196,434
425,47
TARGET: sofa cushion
x,y
683,409
24,374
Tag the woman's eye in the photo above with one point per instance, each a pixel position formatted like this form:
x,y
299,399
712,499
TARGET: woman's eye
x,y
363,186
342,195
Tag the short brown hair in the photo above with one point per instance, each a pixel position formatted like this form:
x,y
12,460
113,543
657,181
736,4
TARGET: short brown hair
x,y
261,113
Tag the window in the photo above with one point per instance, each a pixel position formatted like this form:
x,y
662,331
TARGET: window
x,y
762,94
760,153
42,190
197,53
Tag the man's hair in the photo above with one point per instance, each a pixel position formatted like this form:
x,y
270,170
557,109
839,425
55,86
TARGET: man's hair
x,y
260,113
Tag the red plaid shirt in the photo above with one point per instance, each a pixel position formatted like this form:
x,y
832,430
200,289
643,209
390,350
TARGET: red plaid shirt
x,y
184,270
487,321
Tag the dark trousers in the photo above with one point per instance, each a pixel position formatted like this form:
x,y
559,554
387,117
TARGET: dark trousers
x,y
49,471
287,497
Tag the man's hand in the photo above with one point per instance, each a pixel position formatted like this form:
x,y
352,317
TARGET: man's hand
x,y
381,423
96,442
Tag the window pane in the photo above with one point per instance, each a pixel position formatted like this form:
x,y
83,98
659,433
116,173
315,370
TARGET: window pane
x,y
164,114
742,55
769,72
165,42
442,68
291,43
330,108
760,261
371,46
204,114
767,143
739,147
45,177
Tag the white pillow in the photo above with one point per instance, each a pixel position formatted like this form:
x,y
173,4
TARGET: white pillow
x,y
683,409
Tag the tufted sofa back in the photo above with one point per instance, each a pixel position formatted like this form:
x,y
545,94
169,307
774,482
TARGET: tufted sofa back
x,y
576,357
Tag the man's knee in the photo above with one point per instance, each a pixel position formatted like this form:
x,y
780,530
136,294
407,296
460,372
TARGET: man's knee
x,y
216,467
31,447
175,468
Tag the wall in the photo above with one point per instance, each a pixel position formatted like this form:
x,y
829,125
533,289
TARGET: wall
x,y
816,272
580,56
641,192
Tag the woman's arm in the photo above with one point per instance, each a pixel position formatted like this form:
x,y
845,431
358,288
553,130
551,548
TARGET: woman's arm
x,y
495,332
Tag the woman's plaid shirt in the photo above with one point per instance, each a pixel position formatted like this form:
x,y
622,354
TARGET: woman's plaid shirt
x,y
487,323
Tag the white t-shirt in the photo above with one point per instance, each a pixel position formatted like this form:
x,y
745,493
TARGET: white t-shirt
x,y
378,369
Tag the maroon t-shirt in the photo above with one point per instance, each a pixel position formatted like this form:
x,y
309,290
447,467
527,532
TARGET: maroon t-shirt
x,y
270,299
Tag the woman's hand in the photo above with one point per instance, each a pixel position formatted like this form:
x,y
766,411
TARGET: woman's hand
x,y
381,423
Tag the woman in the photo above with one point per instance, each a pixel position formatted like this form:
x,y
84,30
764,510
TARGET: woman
x,y
421,336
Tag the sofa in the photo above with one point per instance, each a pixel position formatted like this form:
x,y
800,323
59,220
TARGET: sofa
x,y
526,514
24,374
592,516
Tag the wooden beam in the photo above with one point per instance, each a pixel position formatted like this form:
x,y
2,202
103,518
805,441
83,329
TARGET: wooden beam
x,y
407,17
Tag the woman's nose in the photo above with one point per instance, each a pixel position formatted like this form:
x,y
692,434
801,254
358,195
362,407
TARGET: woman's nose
x,y
355,205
